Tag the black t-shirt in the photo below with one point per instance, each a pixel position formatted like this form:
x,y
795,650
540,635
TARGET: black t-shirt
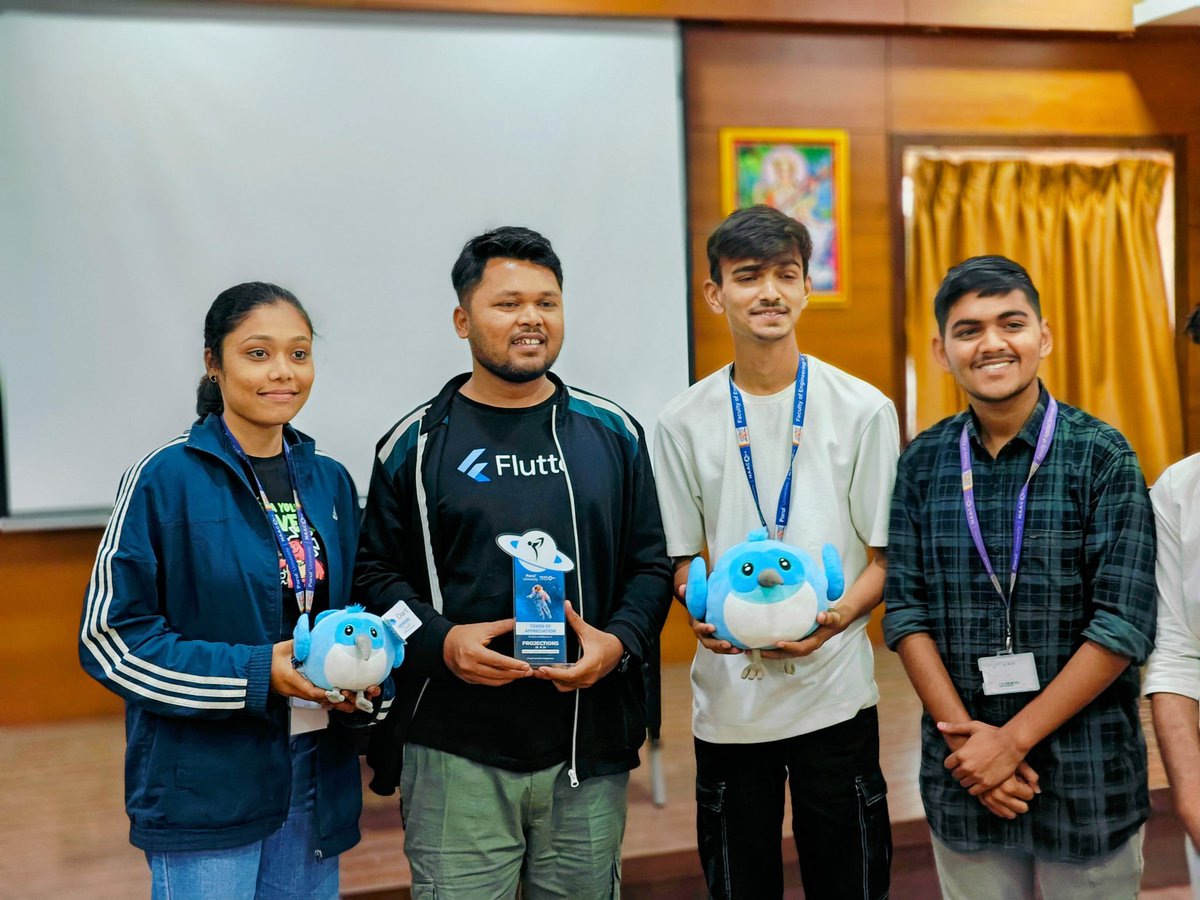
x,y
499,476
272,472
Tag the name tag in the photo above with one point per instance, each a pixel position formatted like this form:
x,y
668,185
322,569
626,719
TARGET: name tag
x,y
402,620
1009,673
306,716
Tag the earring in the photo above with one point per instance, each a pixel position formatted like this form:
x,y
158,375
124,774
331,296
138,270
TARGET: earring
x,y
212,378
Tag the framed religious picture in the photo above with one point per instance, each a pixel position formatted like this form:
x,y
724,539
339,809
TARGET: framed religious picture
x,y
802,172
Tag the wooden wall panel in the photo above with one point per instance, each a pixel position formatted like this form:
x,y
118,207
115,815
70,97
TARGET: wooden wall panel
x,y
967,85
783,77
43,577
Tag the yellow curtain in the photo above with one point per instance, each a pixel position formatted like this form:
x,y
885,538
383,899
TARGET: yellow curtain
x,y
1087,235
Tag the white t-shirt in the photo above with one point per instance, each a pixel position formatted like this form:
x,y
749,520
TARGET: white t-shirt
x,y
841,492
1174,666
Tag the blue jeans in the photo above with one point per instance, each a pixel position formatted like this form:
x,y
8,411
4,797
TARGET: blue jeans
x,y
281,865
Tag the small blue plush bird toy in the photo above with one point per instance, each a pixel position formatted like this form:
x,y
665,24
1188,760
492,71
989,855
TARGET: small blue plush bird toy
x,y
763,591
348,649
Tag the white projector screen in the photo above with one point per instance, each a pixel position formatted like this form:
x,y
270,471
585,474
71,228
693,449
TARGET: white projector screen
x,y
153,155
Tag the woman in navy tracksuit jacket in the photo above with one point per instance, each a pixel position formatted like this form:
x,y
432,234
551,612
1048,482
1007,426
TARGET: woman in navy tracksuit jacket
x,y
184,617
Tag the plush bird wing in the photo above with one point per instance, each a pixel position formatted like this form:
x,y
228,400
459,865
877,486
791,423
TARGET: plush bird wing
x,y
397,644
303,639
834,575
697,589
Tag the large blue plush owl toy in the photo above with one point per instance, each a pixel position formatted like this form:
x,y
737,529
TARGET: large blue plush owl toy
x,y
763,591
347,649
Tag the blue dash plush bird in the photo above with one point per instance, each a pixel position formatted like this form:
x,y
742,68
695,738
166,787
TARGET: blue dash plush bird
x,y
347,649
763,591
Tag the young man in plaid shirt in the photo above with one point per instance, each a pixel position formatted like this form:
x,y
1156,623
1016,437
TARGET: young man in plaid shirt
x,y
1020,597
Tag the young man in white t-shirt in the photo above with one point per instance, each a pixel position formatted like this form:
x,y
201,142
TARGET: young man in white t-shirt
x,y
816,729
1172,677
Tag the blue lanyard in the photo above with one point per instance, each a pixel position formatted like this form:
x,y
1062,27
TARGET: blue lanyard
x,y
304,595
1045,436
742,433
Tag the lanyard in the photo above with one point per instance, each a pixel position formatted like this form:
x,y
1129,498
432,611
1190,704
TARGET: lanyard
x,y
742,432
304,594
1045,436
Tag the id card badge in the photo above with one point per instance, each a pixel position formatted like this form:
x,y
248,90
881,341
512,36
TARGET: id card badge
x,y
540,635
401,620
1009,673
306,716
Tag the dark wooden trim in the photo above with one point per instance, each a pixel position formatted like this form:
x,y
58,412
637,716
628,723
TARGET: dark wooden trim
x,y
1175,144
1052,141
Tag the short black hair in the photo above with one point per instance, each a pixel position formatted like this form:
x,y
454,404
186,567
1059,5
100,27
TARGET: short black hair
x,y
757,232
1192,326
987,276
506,242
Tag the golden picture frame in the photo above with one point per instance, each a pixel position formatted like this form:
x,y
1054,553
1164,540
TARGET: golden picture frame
x,y
804,173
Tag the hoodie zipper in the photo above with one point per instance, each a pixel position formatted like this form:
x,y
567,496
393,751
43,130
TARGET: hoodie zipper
x,y
572,772
435,588
240,470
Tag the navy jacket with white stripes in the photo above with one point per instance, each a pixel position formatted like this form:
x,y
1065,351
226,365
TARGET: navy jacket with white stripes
x,y
180,616
625,574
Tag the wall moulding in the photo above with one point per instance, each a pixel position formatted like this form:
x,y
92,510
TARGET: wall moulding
x,y
1064,16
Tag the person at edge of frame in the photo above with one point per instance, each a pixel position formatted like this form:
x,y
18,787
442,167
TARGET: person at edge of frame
x,y
512,775
833,441
1172,678
1020,598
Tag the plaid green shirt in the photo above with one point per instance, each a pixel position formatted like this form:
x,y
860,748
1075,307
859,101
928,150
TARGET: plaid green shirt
x,y
1087,573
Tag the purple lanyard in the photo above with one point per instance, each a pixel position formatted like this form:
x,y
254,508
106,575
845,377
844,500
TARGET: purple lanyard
x,y
742,433
1045,436
304,595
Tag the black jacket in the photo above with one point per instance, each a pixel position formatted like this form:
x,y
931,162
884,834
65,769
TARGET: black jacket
x,y
626,575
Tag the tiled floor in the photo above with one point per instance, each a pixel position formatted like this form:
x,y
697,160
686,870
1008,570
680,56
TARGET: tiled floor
x,y
64,833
